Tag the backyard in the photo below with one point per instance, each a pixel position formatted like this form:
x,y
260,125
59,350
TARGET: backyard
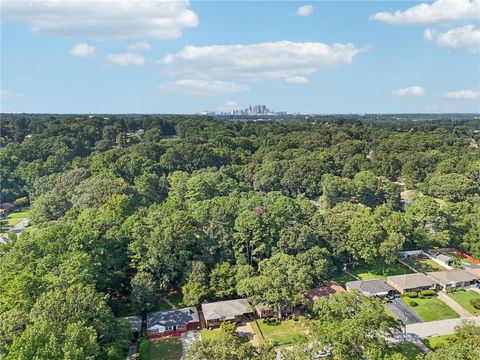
x,y
284,333
424,265
409,350
371,271
432,309
165,349
464,297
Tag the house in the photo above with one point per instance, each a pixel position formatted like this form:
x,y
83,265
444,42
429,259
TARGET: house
x,y
5,208
172,322
453,278
265,311
445,259
135,325
411,282
230,310
327,289
371,287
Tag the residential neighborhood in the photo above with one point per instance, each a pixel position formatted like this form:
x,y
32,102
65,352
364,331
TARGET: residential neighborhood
x,y
423,302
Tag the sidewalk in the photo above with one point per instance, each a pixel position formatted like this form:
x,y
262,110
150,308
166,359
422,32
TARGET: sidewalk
x,y
460,310
440,327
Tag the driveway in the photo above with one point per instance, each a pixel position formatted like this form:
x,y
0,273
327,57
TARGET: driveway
x,y
187,339
403,312
436,328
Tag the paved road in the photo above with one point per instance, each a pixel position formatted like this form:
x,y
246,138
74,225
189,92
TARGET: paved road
x,y
460,310
403,312
17,229
436,328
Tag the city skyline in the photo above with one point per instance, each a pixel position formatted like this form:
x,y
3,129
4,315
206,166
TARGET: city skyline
x,y
318,57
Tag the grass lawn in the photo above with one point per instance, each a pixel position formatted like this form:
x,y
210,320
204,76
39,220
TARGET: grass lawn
x,y
435,342
378,270
210,334
409,350
160,305
165,349
433,309
25,214
425,265
464,297
13,222
287,332
342,278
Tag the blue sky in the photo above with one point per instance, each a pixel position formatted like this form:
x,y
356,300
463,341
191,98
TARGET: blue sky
x,y
104,56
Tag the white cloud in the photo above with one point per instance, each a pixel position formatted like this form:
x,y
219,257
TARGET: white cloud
x,y
434,12
271,60
466,37
83,50
103,19
409,91
297,80
463,94
125,59
196,87
305,10
231,104
139,46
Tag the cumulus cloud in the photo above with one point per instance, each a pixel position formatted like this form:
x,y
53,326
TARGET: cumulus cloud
x,y
411,91
103,19
125,59
466,37
463,94
297,80
270,60
139,46
197,87
305,10
436,12
82,50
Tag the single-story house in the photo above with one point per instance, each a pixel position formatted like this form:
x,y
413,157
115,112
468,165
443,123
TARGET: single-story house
x,y
135,325
371,287
474,270
327,289
172,322
411,282
229,310
453,278
445,259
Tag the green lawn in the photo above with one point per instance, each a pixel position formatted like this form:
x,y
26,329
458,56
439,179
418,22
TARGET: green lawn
x,y
409,350
210,334
437,341
464,297
425,265
433,309
25,214
165,349
372,271
378,270
287,332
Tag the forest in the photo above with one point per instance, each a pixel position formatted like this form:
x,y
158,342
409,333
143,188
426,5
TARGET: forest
x,y
126,208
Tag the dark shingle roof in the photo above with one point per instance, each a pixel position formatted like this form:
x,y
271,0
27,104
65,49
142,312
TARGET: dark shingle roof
x,y
176,317
370,287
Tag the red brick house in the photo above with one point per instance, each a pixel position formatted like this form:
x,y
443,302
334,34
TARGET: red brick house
x,y
172,323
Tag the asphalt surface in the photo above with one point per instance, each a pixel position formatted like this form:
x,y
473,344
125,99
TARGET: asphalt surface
x,y
436,328
403,312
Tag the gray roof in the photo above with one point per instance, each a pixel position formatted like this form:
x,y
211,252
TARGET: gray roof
x,y
411,281
370,287
444,258
135,322
176,317
452,276
225,310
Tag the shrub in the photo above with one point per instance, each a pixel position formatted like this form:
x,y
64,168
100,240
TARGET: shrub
x,y
412,303
427,293
475,303
143,349
410,294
